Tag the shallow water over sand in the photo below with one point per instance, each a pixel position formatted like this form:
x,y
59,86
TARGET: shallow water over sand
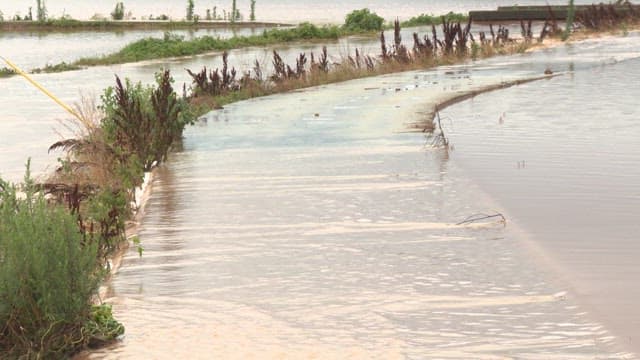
x,y
308,225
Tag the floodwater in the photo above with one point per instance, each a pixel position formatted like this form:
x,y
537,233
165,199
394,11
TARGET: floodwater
x,y
330,11
36,50
567,167
311,224
44,119
313,227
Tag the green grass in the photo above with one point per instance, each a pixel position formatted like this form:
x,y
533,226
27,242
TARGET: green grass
x,y
175,46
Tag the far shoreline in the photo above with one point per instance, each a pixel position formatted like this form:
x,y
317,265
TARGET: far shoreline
x,y
111,25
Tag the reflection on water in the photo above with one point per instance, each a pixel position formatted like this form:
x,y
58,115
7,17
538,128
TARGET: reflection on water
x,y
279,233
567,167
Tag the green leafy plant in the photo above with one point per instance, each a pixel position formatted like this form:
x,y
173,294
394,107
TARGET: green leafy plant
x,y
48,275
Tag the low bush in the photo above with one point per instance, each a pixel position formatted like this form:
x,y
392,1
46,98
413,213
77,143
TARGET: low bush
x,y
48,275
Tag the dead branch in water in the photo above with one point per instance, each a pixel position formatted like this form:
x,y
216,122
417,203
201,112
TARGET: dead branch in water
x,y
478,217
440,139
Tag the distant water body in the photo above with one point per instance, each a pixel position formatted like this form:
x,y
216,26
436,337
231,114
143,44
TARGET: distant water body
x,y
329,11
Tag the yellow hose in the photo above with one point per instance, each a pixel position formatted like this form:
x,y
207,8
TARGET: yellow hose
x,y
40,87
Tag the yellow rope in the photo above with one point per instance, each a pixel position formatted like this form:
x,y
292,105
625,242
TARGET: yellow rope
x,y
41,88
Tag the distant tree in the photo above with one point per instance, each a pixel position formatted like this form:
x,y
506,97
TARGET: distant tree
x,y
1,16
41,10
215,13
190,6
233,11
252,17
363,20
29,15
118,12
208,16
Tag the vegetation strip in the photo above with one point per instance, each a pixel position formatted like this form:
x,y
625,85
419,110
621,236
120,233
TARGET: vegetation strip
x,y
56,237
106,25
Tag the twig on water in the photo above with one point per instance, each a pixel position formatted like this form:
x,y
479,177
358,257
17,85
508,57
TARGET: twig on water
x,y
478,217
440,139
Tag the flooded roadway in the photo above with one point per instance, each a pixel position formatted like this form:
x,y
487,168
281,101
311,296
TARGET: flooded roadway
x,y
309,225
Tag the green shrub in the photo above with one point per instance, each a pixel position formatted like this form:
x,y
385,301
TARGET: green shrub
x,y
47,276
363,20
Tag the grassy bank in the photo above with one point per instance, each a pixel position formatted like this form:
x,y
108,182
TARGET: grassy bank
x,y
173,46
